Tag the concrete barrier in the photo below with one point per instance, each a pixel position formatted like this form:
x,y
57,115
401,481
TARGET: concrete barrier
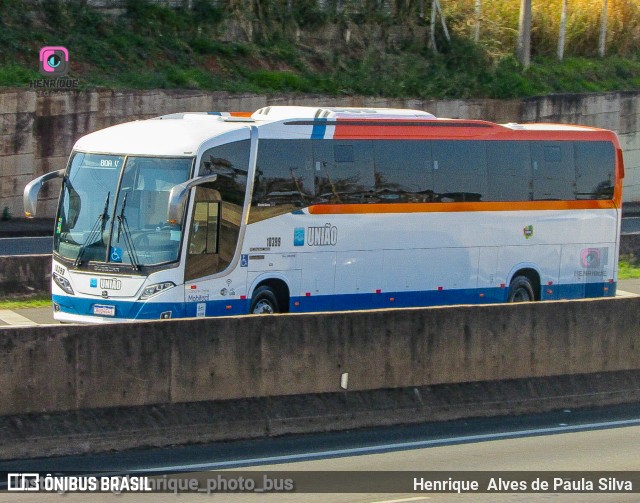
x,y
57,368
97,430
25,274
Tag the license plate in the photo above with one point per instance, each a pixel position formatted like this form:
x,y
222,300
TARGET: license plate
x,y
101,310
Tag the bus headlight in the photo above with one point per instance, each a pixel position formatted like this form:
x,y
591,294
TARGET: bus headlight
x,y
151,290
63,283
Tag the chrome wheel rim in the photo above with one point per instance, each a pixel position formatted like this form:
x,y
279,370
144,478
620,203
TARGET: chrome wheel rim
x,y
263,307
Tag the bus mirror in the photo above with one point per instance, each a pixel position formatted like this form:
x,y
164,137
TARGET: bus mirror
x,y
30,194
178,195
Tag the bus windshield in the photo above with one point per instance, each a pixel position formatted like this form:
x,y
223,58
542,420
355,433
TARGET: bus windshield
x,y
110,215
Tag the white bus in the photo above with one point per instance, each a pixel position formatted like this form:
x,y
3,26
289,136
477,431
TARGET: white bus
x,y
298,209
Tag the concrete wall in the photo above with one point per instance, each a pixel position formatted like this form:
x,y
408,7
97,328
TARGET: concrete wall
x,y
25,274
37,131
54,368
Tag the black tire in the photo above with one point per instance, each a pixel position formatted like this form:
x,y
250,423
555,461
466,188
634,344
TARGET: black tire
x,y
521,290
264,301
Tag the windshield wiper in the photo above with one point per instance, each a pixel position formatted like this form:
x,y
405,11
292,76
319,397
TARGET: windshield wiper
x,y
123,225
96,230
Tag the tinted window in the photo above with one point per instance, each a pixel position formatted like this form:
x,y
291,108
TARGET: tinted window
x,y
595,170
554,172
460,170
343,171
284,178
509,171
403,171
231,163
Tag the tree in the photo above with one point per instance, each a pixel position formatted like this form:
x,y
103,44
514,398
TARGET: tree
x,y
435,9
476,29
603,30
563,27
524,33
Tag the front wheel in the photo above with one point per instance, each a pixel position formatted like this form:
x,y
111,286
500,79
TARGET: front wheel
x,y
264,301
521,290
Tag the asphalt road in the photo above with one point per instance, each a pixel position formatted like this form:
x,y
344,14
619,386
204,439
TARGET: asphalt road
x,y
605,439
26,245
630,225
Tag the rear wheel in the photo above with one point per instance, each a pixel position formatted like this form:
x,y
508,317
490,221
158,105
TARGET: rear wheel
x,y
521,290
264,301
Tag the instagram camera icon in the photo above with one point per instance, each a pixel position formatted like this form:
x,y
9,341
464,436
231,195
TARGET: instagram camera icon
x,y
54,61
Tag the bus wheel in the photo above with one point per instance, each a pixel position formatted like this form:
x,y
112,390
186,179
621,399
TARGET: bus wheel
x,y
264,301
521,290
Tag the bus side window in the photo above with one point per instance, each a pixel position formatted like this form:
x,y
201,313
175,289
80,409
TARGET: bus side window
x,y
460,170
205,224
283,180
595,169
509,171
403,171
343,171
554,173
204,234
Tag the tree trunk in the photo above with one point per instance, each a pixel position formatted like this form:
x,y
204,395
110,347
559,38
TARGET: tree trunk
x,y
524,33
476,30
563,28
432,26
603,30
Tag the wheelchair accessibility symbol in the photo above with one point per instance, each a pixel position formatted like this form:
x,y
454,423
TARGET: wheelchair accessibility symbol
x,y
116,254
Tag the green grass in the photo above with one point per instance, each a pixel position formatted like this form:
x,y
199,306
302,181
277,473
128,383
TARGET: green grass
x,y
26,302
152,46
628,268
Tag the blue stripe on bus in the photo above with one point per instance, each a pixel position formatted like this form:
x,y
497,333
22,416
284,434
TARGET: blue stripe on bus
x,y
319,129
340,302
347,302
124,309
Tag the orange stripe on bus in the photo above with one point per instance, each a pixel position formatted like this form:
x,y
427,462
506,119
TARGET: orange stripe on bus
x,y
351,209
348,131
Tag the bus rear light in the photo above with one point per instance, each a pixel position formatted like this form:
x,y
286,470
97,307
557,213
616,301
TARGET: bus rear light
x,y
502,285
63,283
243,297
308,294
228,307
296,303
378,291
482,295
440,288
606,288
391,299
549,291
550,283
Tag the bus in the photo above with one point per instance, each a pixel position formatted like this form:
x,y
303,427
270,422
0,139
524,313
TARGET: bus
x,y
306,209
